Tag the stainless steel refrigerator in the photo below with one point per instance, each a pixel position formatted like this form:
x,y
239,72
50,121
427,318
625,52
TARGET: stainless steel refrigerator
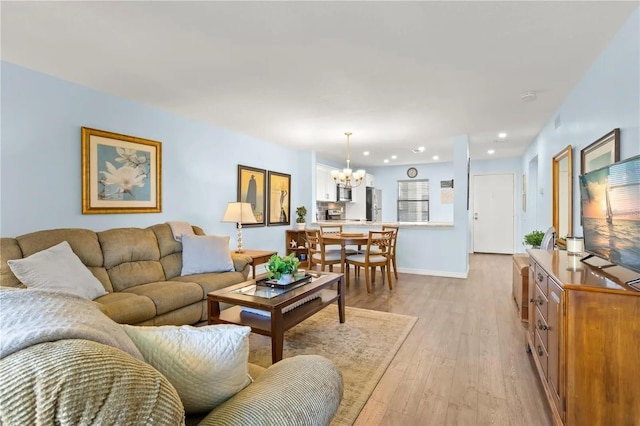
x,y
374,204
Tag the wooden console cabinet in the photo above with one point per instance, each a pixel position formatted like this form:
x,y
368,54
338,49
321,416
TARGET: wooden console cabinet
x,y
520,285
296,242
584,336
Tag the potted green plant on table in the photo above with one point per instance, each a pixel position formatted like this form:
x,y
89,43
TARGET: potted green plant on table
x,y
282,268
534,239
301,212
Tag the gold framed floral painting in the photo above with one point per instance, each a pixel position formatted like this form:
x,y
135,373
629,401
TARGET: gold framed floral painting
x,y
120,173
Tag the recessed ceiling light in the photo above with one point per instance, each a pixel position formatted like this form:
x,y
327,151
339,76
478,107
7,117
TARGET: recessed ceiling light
x,y
366,153
393,157
528,96
418,150
435,157
491,151
386,160
502,135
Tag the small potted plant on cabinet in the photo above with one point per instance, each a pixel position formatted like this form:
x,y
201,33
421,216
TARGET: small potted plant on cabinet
x,y
534,239
301,212
282,268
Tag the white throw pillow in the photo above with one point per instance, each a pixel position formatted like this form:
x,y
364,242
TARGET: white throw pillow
x,y
57,269
205,253
207,365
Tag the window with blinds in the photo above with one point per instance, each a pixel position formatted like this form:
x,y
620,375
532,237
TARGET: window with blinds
x,y
413,200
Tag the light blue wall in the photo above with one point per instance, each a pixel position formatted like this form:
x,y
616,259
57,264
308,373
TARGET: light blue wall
x,y
434,251
40,158
387,180
40,163
607,97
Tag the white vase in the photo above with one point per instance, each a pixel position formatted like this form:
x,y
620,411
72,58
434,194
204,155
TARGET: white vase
x,y
285,279
300,225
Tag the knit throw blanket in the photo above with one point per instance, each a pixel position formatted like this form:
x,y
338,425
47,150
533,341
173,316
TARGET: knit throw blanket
x,y
29,317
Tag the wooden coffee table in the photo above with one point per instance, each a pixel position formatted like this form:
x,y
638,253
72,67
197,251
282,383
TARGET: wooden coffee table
x,y
275,301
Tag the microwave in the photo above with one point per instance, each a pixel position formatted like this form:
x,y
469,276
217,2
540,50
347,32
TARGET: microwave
x,y
344,194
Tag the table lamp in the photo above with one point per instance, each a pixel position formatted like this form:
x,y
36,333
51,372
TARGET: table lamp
x,y
239,213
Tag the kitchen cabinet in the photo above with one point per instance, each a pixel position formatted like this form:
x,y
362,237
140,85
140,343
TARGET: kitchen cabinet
x,y
584,335
369,180
357,208
325,185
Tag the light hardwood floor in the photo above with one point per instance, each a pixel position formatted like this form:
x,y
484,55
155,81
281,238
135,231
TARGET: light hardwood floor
x,y
464,362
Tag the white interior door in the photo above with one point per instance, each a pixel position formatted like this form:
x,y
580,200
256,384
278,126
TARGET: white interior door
x,y
493,213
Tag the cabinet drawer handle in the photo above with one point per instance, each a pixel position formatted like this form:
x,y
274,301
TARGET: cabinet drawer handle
x,y
538,301
541,326
540,351
540,277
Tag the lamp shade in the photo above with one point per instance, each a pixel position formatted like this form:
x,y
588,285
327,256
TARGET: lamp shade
x,y
239,213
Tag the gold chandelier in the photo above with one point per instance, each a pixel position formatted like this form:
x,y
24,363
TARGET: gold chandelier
x,y
347,177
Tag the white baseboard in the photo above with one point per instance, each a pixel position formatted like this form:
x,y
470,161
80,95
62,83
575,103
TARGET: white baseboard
x,y
448,274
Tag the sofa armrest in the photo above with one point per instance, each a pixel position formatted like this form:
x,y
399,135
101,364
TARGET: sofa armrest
x,y
80,382
303,391
241,262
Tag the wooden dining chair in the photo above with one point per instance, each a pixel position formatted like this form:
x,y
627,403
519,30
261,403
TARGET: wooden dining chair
x,y
336,229
318,254
392,249
331,229
376,254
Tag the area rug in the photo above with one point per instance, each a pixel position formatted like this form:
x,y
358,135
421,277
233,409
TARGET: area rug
x,y
362,348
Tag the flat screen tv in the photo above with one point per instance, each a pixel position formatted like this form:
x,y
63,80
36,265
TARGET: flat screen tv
x,y
610,202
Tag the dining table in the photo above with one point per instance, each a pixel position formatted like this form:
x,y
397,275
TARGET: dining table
x,y
344,239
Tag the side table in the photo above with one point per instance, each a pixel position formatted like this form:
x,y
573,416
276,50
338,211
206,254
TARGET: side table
x,y
258,257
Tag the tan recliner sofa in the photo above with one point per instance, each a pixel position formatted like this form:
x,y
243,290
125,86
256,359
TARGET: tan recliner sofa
x,y
139,268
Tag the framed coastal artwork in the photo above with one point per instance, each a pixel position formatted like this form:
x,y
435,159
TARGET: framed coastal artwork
x,y
120,173
252,184
279,196
601,153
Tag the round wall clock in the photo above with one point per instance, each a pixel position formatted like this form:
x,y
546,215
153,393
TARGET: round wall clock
x,y
412,172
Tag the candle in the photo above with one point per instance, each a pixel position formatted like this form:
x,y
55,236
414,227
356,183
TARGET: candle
x,y
575,245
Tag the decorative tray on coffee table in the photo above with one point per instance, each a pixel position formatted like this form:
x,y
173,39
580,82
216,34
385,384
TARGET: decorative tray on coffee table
x,y
266,282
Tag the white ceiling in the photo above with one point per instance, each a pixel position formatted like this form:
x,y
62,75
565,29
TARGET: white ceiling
x,y
397,74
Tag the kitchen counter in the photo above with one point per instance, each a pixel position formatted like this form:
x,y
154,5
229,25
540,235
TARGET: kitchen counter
x,y
431,248
365,223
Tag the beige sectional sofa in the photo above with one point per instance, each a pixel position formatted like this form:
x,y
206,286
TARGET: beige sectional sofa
x,y
139,268
64,362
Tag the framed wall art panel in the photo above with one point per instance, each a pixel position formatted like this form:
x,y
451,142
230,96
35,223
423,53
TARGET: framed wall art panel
x,y
601,153
252,184
120,173
279,199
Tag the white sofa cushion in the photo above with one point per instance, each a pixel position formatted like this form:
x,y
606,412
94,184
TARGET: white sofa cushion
x,y
57,269
205,253
207,365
